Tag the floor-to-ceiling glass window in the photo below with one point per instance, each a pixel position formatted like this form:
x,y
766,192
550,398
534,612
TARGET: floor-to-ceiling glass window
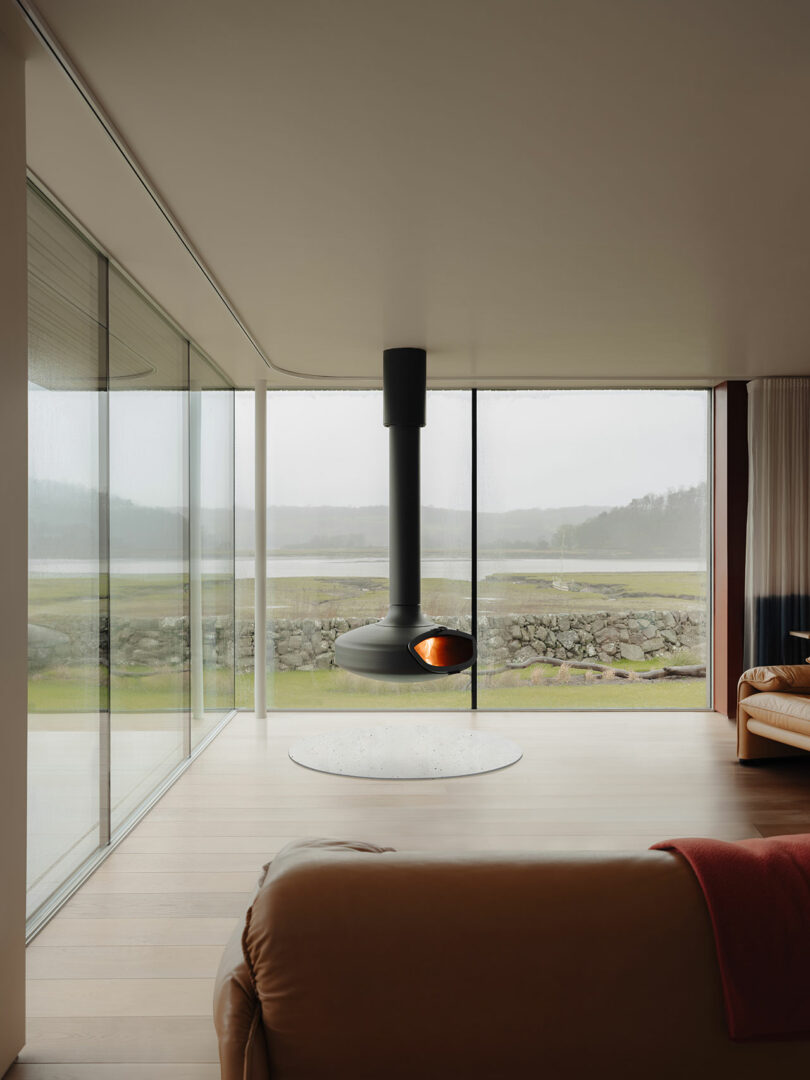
x,y
67,603
120,629
149,548
211,545
593,545
328,541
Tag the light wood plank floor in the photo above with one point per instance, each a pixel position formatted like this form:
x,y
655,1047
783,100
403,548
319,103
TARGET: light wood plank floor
x,y
120,981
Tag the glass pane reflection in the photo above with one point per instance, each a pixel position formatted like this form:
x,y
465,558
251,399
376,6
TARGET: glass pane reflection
x,y
67,685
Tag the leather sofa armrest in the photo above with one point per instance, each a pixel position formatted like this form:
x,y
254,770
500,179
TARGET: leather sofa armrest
x,y
784,678
243,1049
238,1018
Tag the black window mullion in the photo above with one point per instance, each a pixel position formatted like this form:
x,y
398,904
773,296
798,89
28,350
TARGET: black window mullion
x,y
474,539
104,614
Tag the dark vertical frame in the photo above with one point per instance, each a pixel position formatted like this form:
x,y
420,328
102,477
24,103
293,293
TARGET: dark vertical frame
x,y
232,393
104,627
474,539
196,382
187,552
730,414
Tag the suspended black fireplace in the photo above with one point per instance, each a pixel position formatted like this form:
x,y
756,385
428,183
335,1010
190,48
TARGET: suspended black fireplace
x,y
405,646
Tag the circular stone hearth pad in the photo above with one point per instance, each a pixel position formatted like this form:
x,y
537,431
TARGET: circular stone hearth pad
x,y
405,752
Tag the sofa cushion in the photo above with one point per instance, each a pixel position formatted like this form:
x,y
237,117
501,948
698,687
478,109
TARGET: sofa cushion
x,y
778,677
788,711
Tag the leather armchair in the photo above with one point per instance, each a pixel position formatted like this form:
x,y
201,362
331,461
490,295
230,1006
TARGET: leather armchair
x,y
773,711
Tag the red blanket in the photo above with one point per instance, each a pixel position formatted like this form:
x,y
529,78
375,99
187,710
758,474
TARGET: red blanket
x,y
758,895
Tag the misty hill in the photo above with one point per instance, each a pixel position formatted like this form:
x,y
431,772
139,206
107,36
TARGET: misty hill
x,y
63,522
529,528
673,524
325,528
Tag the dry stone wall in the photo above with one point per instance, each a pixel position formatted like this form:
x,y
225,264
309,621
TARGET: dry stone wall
x,y
309,644
599,635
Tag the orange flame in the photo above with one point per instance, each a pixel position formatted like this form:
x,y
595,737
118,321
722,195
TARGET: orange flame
x,y
444,650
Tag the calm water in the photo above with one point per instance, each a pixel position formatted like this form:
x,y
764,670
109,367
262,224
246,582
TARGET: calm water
x,y
456,569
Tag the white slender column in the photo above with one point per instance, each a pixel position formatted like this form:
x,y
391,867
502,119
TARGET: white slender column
x,y
195,553
260,569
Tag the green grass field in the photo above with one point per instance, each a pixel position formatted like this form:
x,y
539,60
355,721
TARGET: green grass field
x,y
340,690
327,597
75,688
325,690
498,593
139,595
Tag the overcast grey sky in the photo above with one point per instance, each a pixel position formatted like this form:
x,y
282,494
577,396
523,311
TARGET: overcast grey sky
x,y
536,448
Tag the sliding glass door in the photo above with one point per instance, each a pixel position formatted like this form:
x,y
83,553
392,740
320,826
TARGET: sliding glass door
x,y
149,572
67,583
131,612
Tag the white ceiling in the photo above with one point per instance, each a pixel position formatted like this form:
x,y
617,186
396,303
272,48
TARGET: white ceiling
x,y
566,191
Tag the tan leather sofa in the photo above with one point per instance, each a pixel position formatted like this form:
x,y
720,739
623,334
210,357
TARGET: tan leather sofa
x,y
773,712
360,963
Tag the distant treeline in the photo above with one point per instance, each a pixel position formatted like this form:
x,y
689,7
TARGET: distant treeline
x,y
365,528
64,523
673,524
64,519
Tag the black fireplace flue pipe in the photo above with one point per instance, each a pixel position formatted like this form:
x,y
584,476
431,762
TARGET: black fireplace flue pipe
x,y
404,393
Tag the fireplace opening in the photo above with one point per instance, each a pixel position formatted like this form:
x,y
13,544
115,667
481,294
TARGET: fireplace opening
x,y
444,650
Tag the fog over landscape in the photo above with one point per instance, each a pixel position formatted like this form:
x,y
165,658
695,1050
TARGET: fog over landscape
x,y
611,473
537,449
62,526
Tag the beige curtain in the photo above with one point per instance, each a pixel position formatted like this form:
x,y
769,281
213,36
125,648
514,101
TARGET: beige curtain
x,y
778,536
